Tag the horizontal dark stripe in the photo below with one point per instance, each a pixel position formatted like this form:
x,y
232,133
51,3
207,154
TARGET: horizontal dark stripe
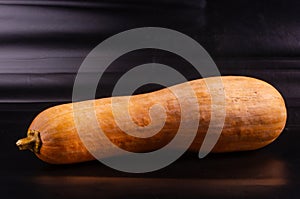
x,y
103,3
47,31
51,83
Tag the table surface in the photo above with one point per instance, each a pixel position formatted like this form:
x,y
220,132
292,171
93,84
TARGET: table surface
x,y
272,171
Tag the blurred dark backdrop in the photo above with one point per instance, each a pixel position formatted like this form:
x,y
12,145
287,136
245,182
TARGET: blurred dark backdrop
x,y
43,43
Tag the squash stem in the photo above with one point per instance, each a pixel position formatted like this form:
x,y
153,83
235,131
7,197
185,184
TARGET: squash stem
x,y
31,142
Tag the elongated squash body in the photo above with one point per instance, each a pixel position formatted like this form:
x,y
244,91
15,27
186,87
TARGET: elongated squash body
x,y
255,117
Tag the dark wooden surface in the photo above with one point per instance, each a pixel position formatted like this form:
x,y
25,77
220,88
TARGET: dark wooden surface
x,y
270,172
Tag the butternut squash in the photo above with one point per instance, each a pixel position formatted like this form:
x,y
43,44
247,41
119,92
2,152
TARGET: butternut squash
x,y
255,117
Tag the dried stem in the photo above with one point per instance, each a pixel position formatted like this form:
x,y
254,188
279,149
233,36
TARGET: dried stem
x,y
31,142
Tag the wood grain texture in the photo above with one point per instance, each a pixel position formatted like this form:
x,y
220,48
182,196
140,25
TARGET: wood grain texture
x,y
255,117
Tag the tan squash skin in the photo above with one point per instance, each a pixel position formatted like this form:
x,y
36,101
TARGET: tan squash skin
x,y
255,117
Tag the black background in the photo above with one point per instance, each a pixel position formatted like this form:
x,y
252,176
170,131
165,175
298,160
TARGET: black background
x,y
43,43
